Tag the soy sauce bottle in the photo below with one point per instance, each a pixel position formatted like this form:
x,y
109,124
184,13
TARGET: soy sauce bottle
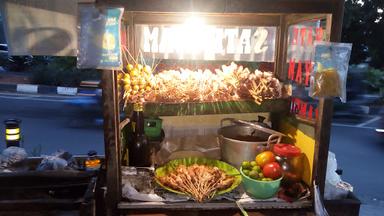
x,y
139,151
127,138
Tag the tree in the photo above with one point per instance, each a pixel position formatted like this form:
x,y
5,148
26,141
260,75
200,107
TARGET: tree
x,y
364,27
61,71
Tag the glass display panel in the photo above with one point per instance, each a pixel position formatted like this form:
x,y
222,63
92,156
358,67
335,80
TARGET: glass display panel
x,y
194,63
299,66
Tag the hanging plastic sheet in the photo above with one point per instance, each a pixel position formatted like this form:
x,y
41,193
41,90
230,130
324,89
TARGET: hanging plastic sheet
x,y
40,27
99,38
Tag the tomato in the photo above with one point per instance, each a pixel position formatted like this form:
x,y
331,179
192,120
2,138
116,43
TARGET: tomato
x,y
264,158
272,170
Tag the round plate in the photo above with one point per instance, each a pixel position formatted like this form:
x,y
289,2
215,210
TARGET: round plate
x,y
171,165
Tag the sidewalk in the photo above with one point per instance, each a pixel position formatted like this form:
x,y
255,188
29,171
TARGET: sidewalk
x,y
20,82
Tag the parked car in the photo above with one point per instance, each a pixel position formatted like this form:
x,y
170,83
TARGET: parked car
x,y
3,55
13,63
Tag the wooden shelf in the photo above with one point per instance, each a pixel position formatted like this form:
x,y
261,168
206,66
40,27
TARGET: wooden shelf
x,y
228,107
219,205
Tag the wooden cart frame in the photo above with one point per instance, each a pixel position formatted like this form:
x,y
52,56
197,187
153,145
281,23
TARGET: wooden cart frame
x,y
280,13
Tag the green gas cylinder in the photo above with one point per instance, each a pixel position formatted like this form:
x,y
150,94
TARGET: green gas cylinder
x,y
152,127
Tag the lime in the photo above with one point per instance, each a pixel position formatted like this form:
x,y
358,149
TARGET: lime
x,y
246,172
245,165
256,168
253,163
253,174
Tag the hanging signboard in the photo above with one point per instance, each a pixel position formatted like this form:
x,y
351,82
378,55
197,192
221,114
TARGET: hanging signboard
x,y
99,39
196,41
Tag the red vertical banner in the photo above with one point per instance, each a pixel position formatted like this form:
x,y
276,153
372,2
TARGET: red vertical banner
x,y
303,32
291,69
303,109
310,112
299,73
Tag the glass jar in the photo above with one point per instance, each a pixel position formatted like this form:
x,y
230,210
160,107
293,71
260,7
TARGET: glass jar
x,y
291,161
92,162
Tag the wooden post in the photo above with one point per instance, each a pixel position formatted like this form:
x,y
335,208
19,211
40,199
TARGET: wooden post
x,y
111,139
281,50
324,121
322,137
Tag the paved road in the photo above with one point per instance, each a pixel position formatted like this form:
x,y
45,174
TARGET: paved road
x,y
360,153
49,124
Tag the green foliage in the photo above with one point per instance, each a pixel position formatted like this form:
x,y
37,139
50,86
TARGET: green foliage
x,y
61,71
352,31
364,27
36,151
375,79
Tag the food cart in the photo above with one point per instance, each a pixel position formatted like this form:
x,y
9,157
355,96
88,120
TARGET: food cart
x,y
282,28
308,124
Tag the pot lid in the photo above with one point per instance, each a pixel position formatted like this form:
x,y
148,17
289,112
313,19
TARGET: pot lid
x,y
286,150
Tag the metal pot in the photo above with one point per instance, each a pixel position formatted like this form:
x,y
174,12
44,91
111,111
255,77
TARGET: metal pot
x,y
243,140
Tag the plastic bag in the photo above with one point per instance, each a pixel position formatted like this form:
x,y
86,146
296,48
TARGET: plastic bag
x,y
129,192
14,154
138,184
320,209
52,163
13,159
58,161
332,177
335,188
329,77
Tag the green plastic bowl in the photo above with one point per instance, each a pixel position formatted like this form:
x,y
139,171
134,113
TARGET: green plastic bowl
x,y
260,189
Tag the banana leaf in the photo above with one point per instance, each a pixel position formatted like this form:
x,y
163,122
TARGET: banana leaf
x,y
172,165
